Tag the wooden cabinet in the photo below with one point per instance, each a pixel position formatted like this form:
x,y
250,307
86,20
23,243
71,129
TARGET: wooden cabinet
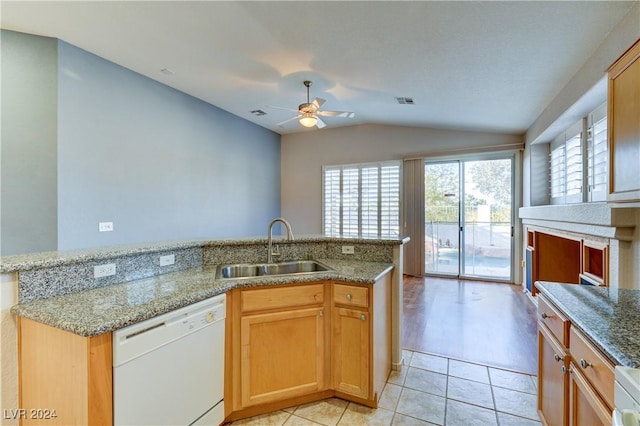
x,y
553,362
586,407
64,378
350,352
597,370
624,127
283,343
553,383
595,263
292,344
361,348
585,395
351,335
565,257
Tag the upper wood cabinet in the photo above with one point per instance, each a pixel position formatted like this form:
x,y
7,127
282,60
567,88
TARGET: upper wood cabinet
x,y
624,127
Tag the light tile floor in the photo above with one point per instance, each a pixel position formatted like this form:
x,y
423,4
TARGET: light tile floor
x,y
429,390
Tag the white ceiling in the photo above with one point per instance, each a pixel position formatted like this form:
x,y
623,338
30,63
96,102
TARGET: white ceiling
x,y
488,65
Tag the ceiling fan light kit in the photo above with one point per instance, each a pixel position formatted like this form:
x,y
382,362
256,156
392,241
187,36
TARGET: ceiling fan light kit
x,y
308,120
309,112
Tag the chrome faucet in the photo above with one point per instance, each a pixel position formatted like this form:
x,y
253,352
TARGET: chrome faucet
x,y
270,252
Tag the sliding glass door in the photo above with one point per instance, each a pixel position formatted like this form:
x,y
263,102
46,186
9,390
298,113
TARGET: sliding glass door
x,y
469,218
442,218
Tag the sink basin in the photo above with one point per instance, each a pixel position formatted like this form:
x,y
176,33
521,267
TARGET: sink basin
x,y
248,270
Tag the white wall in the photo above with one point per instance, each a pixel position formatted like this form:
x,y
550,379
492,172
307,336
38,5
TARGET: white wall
x,y
304,154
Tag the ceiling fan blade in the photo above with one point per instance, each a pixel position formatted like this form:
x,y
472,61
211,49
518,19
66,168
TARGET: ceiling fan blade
x,y
288,120
345,114
320,124
286,109
318,102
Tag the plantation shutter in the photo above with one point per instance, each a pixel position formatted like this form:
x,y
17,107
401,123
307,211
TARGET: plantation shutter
x,y
362,200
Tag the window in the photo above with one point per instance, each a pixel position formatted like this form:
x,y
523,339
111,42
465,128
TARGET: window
x,y
362,200
597,154
579,165
565,166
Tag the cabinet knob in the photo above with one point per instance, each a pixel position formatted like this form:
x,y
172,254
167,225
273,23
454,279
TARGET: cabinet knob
x,y
545,315
321,313
563,369
585,364
558,358
363,317
349,297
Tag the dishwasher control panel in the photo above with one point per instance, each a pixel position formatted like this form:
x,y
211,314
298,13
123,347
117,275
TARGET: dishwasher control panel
x,y
138,339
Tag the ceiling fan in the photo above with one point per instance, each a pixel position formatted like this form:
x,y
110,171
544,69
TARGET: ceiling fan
x,y
309,112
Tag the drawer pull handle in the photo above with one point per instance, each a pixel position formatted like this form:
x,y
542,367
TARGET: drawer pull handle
x,y
363,317
349,297
558,358
545,315
585,364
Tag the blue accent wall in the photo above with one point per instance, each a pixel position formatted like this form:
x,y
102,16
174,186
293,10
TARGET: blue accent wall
x,y
158,163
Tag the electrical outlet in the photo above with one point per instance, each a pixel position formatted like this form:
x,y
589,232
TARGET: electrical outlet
x,y
105,226
169,259
105,270
347,250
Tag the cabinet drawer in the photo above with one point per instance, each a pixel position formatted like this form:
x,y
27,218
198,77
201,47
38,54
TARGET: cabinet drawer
x,y
351,295
596,368
552,318
282,297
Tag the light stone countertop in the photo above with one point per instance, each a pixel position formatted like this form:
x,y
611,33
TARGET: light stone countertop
x,y
609,317
100,310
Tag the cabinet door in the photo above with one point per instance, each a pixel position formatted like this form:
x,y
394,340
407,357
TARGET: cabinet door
x,y
351,351
553,391
586,407
624,126
282,355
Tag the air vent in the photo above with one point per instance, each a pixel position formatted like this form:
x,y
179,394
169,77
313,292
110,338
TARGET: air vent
x,y
258,112
404,101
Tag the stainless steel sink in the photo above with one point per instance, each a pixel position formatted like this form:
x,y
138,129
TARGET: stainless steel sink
x,y
248,270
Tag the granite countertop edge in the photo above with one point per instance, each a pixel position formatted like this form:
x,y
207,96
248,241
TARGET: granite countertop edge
x,y
588,321
25,262
97,311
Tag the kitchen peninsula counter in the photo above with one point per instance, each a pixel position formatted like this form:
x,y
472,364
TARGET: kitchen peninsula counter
x,y
610,317
99,310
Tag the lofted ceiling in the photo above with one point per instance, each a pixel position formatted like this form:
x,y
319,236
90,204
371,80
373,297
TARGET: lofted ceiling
x,y
477,65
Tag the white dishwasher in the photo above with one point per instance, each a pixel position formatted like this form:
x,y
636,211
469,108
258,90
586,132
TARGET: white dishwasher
x,y
169,370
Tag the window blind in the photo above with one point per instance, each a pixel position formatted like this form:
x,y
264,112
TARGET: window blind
x,y
362,200
597,154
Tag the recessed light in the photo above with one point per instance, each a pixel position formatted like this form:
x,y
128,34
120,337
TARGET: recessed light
x,y
167,71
